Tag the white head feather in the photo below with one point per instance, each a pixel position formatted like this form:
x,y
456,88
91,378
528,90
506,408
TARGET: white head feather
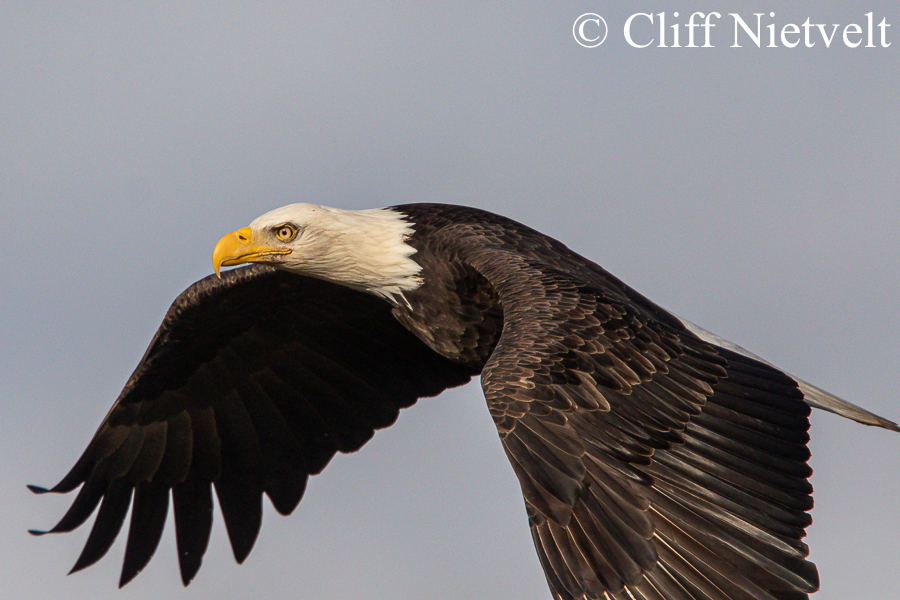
x,y
361,249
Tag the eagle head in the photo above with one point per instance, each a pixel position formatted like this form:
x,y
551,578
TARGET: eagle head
x,y
366,250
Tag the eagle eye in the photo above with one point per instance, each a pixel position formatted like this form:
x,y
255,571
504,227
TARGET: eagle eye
x,y
286,232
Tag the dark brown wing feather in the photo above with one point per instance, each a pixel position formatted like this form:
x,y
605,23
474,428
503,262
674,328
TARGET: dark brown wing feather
x,y
653,464
252,383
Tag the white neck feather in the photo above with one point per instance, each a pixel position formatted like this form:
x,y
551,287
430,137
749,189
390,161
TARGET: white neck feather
x,y
361,249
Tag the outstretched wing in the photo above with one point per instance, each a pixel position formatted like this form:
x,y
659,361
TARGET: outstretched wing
x,y
251,384
654,465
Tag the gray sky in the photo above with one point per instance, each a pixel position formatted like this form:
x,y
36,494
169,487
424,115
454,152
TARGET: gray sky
x,y
751,190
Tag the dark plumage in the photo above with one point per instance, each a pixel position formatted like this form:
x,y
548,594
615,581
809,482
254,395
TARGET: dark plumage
x,y
656,460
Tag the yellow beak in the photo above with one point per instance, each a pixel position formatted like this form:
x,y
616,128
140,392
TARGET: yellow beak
x,y
237,247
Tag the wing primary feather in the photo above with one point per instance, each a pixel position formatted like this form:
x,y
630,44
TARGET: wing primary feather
x,y
720,492
628,553
193,508
771,402
786,474
693,575
107,525
584,573
665,586
553,579
557,562
106,441
148,519
774,570
241,504
771,562
792,499
85,502
790,524
753,528
717,423
788,429
240,487
602,572
284,463
766,381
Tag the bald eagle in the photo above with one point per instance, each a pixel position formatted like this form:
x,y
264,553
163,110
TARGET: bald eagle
x,y
656,460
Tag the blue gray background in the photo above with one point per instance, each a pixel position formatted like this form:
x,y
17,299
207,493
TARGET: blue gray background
x,y
753,191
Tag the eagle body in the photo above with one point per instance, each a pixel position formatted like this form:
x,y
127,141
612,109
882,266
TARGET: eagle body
x,y
457,311
656,460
